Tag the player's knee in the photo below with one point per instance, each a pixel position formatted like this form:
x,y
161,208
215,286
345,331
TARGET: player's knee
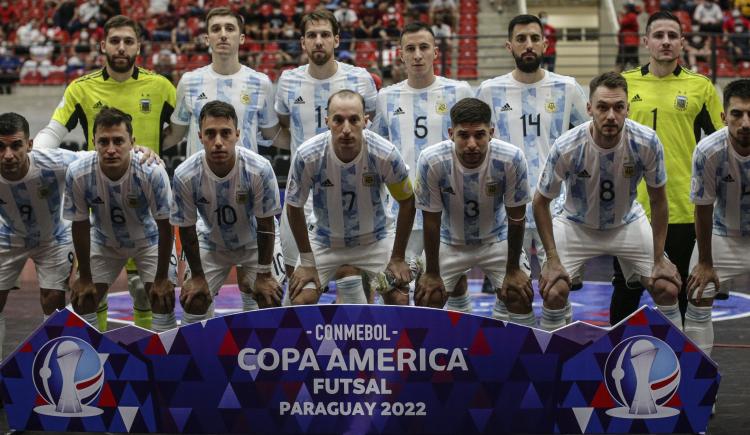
x,y
461,287
51,300
396,297
557,296
664,292
198,304
515,302
345,271
306,297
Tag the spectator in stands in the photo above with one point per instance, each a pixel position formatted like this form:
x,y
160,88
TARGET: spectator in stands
x,y
498,4
550,34
64,13
289,43
628,38
441,8
345,15
346,36
108,9
743,6
9,16
76,64
442,29
181,37
299,12
164,62
735,17
28,34
276,20
369,28
737,37
708,16
389,13
158,7
10,69
87,11
698,49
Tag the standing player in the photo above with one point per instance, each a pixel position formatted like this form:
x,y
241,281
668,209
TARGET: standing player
x,y
465,188
302,95
678,104
225,199
601,163
146,96
226,79
31,188
414,114
347,169
129,206
719,189
531,108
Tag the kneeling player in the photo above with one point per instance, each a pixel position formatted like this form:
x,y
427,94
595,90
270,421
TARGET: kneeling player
x,y
601,163
465,188
225,199
130,207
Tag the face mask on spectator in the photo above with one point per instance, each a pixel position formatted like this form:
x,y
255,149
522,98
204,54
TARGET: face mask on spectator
x,y
736,13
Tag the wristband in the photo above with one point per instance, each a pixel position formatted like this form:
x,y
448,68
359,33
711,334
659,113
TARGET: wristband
x,y
307,259
263,268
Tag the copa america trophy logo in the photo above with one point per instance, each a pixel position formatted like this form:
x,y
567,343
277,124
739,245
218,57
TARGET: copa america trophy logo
x,y
642,373
68,375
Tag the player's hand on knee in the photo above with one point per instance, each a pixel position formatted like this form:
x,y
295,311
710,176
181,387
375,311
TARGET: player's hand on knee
x,y
162,296
519,284
664,269
301,277
552,271
149,157
430,291
195,296
83,296
701,275
267,291
400,271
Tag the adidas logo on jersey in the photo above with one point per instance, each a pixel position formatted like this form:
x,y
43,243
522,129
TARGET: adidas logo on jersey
x,y
399,111
636,99
728,179
202,96
583,174
506,108
327,183
98,105
448,190
203,200
97,200
299,100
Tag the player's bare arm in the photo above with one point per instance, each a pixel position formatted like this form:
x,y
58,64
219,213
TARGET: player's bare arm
x,y
703,272
404,223
196,286
83,291
552,270
162,290
306,272
663,268
430,290
267,290
516,281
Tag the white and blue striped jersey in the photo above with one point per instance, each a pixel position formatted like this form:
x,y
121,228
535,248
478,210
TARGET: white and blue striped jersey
x,y
472,201
31,208
349,199
532,116
249,91
721,177
224,209
413,119
305,99
124,211
601,184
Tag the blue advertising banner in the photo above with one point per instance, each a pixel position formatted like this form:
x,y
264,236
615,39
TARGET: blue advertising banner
x,y
360,369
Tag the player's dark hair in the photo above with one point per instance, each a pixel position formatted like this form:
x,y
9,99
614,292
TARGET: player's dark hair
x,y
610,80
111,117
346,93
662,15
415,27
471,111
739,89
12,123
121,21
218,109
225,12
523,19
320,15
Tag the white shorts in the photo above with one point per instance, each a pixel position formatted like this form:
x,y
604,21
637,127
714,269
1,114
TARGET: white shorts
x,y
107,262
729,263
491,258
531,235
372,258
632,244
415,246
288,244
53,263
218,264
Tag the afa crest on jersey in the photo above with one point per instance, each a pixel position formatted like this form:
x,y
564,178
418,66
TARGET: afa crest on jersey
x,y
492,189
628,170
369,178
681,102
441,107
242,197
132,201
550,106
245,98
43,191
145,104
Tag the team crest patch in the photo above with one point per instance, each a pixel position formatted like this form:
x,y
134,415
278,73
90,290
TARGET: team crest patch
x,y
132,201
681,102
368,179
441,107
550,106
245,98
628,170
492,189
242,197
43,191
145,104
